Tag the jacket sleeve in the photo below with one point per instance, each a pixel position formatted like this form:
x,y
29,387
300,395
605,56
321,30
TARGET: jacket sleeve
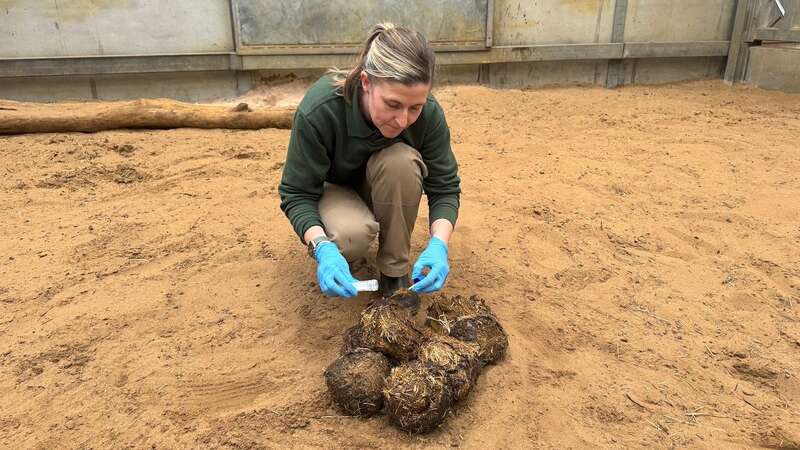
x,y
442,185
307,163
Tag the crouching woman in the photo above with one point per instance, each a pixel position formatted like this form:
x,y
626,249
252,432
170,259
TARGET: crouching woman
x,y
365,144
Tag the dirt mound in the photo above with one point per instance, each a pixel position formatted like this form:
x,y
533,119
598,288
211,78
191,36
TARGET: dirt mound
x,y
89,177
125,174
71,179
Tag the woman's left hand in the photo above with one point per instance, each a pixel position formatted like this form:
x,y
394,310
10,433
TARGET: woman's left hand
x,y
434,258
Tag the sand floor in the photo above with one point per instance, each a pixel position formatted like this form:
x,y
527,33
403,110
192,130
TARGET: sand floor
x,y
641,247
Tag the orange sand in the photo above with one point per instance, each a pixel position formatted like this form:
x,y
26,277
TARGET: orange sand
x,y
639,245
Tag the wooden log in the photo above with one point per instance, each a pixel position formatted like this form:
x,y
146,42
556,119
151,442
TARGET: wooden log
x,y
17,117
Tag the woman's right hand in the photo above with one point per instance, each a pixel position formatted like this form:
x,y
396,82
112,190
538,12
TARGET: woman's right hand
x,y
333,272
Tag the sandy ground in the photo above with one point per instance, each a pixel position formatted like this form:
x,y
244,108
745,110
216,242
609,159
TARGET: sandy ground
x,y
641,247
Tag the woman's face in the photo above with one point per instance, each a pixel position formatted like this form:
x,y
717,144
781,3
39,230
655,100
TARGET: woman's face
x,y
392,106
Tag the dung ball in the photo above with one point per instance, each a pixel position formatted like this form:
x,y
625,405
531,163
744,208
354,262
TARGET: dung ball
x,y
444,311
417,397
356,381
352,339
458,360
386,328
486,332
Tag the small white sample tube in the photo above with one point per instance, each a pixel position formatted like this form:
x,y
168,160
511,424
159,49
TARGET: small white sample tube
x,y
366,285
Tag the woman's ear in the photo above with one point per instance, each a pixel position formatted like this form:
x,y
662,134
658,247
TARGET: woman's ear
x,y
364,80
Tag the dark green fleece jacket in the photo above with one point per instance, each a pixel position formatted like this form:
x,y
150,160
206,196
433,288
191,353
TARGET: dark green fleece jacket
x,y
331,141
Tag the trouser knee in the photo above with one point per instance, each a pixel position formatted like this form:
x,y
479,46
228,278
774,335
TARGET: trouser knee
x,y
353,239
394,180
398,167
347,220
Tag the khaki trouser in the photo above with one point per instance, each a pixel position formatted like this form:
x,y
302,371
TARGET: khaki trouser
x,y
386,205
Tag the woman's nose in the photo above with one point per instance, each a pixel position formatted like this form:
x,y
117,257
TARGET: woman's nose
x,y
402,120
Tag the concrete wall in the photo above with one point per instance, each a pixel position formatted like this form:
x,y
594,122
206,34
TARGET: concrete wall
x,y
679,20
590,21
669,70
547,73
190,87
46,28
775,67
552,21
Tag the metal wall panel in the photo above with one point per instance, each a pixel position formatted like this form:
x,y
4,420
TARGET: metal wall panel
x,y
57,28
547,73
669,70
308,26
791,21
769,23
519,22
679,20
775,68
194,87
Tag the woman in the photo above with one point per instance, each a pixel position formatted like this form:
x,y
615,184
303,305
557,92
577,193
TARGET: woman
x,y
365,144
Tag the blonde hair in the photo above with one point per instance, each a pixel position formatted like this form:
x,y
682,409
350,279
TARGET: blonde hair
x,y
389,53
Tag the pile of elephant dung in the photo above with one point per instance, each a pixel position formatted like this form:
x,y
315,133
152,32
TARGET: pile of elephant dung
x,y
415,375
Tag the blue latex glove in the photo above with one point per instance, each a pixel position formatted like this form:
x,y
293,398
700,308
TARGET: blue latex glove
x,y
434,258
333,273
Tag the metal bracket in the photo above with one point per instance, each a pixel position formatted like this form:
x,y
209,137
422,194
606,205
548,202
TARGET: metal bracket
x,y
783,13
237,41
616,68
489,23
